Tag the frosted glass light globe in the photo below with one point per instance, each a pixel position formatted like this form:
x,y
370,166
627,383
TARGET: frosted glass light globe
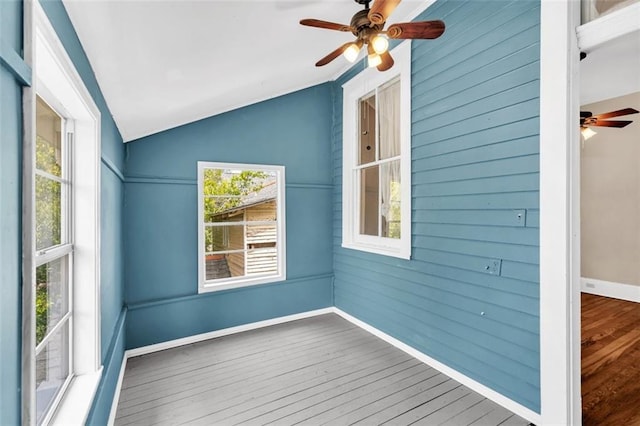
x,y
374,60
351,53
380,44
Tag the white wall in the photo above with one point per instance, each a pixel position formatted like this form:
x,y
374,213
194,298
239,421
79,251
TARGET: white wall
x,y
610,204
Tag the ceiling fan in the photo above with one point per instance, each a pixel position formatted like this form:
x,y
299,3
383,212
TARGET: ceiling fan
x,y
588,120
368,27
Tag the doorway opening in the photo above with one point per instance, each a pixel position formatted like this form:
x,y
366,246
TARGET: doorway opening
x,y
610,234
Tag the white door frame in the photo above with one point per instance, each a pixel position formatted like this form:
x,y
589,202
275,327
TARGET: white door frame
x,y
559,214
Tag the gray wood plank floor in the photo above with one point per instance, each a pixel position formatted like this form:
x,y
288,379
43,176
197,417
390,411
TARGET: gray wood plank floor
x,y
320,370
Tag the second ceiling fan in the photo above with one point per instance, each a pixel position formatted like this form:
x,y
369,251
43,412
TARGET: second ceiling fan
x,y
368,27
588,120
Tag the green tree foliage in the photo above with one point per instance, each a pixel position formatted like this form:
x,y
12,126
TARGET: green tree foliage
x,y
228,189
43,304
48,196
48,227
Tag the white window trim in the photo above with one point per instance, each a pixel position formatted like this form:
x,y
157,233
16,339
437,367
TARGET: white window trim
x,y
353,90
56,77
231,283
560,394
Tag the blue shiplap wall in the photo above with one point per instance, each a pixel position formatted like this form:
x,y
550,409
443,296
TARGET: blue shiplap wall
x,y
161,217
112,283
475,189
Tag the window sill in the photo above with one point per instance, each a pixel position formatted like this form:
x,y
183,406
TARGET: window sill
x,y
229,285
76,404
385,251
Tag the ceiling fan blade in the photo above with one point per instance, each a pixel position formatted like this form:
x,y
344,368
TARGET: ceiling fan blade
x,y
421,30
381,10
617,113
317,23
331,56
610,123
585,114
387,61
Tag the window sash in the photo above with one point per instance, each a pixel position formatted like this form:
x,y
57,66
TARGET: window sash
x,y
367,83
376,163
64,249
248,269
364,208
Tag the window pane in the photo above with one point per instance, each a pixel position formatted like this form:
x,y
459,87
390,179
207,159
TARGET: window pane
x,y
48,139
52,301
223,238
389,119
48,212
262,260
219,266
390,208
52,369
223,209
369,214
224,265
264,211
367,130
261,236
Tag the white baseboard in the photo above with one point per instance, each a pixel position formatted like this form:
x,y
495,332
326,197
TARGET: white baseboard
x,y
483,390
488,393
224,332
622,291
116,395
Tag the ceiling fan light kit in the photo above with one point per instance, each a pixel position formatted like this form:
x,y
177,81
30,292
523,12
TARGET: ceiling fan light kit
x,y
368,27
380,43
587,132
351,52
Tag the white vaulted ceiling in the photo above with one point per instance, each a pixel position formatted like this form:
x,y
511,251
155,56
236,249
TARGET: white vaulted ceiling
x,y
161,64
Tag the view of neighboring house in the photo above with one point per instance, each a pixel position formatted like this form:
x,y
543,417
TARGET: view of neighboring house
x,y
258,241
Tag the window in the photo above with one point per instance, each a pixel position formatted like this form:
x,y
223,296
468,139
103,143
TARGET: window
x,y
241,238
61,235
53,258
376,179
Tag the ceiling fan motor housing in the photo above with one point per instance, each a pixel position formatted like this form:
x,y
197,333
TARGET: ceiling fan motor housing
x,y
362,27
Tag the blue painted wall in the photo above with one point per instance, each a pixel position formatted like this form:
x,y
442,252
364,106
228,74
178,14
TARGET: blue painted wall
x,y
161,217
10,216
112,283
475,167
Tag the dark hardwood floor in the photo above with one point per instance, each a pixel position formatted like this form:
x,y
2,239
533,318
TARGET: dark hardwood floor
x,y
610,361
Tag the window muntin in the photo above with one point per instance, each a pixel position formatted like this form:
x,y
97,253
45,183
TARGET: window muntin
x,y
241,221
377,159
53,257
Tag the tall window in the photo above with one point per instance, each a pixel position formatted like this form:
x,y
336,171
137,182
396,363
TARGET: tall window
x,y
376,159
53,257
241,225
379,159
60,234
